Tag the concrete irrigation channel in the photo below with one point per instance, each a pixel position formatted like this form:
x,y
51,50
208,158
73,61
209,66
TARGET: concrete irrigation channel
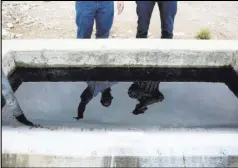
x,y
189,120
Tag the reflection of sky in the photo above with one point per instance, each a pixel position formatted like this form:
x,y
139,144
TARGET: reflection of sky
x,y
185,105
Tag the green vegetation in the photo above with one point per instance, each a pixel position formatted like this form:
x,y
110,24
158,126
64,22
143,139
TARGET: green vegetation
x,y
204,34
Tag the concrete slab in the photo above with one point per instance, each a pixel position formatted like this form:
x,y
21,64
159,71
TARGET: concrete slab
x,y
183,130
203,134
235,62
118,149
120,52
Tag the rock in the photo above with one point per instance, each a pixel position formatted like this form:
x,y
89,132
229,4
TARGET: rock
x,y
4,12
114,35
25,8
18,35
5,33
29,22
10,25
179,34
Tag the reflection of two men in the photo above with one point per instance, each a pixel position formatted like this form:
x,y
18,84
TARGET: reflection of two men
x,y
92,91
146,93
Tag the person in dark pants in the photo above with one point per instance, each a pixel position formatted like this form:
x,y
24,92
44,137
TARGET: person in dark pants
x,y
100,11
168,10
147,93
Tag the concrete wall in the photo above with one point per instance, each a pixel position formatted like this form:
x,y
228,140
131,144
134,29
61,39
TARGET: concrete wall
x,y
136,53
129,148
71,146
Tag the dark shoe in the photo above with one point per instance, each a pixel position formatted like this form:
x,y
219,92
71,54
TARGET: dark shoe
x,y
106,98
140,109
22,119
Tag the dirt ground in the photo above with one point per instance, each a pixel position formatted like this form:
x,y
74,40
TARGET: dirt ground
x,y
41,20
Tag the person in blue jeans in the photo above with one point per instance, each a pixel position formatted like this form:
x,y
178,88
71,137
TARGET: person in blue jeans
x,y
100,11
168,10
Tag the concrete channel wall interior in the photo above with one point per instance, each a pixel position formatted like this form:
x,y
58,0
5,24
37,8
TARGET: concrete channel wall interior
x,y
188,137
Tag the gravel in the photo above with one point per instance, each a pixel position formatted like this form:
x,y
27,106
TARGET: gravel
x,y
55,19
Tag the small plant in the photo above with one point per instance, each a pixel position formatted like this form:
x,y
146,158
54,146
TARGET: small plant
x,y
204,34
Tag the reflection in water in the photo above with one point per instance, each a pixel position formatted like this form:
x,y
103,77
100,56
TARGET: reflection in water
x,y
3,102
146,93
92,91
186,105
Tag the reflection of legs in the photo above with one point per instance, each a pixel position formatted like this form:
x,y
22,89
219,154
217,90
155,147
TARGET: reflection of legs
x,y
91,91
141,107
168,10
86,97
135,92
11,101
144,10
104,18
146,93
3,102
85,13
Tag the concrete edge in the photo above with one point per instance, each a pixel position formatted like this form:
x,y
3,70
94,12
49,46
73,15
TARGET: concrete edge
x,y
118,149
122,52
119,44
8,63
32,160
235,62
119,143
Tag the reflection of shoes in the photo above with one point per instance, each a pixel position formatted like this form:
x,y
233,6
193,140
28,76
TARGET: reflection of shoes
x,y
22,119
79,117
139,109
106,98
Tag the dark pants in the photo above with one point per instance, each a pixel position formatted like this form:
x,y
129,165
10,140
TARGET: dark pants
x,y
3,102
87,11
168,10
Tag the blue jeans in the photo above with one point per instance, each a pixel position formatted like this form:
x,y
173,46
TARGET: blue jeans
x,y
168,10
87,11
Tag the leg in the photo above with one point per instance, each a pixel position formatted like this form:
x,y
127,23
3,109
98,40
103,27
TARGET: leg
x,y
104,18
168,10
86,97
144,10
3,102
11,101
85,13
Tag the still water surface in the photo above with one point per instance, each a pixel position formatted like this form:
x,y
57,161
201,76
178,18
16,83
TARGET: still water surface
x,y
133,105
